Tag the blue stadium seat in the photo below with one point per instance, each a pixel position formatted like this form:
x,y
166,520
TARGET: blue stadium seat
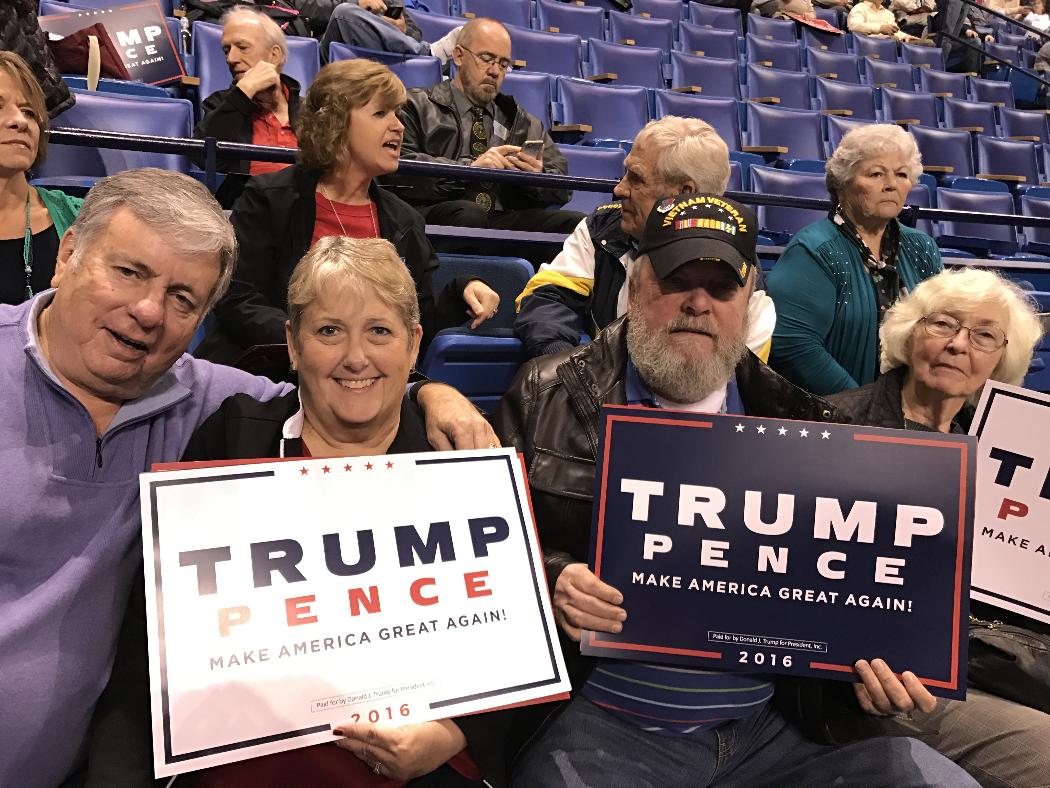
x,y
304,59
120,86
969,115
781,223
1038,377
876,47
506,275
927,57
532,90
557,54
435,26
945,148
643,32
414,72
1023,124
554,16
790,88
796,129
893,75
481,367
823,42
906,105
709,41
1020,41
614,112
838,127
510,12
722,113
773,54
996,156
946,84
834,95
633,65
829,15
921,196
166,6
993,91
774,29
1011,54
714,76
993,238
1037,239
163,117
722,18
587,161
844,67
659,9
736,177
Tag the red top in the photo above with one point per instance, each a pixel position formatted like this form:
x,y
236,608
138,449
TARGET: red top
x,y
267,130
337,218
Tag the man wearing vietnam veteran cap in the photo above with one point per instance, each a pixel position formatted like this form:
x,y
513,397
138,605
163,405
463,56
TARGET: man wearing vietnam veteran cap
x,y
680,345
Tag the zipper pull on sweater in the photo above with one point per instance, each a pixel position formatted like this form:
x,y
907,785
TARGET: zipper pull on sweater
x,y
98,452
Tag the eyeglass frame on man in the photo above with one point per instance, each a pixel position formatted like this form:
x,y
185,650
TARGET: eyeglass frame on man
x,y
925,320
489,59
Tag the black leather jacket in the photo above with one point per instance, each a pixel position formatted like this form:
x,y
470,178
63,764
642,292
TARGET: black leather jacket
x,y
551,415
433,133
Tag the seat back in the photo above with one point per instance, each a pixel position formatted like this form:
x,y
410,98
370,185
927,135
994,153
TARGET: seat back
x,y
532,90
713,16
773,54
434,26
722,113
587,161
1037,239
974,115
927,57
414,72
920,197
557,54
932,80
993,91
643,32
790,87
797,129
769,28
877,47
1023,123
901,105
823,42
1011,54
613,111
506,275
166,6
509,12
715,76
838,127
845,67
894,75
945,148
1008,157
160,117
996,238
711,41
834,94
480,367
581,20
120,86
782,223
659,9
633,65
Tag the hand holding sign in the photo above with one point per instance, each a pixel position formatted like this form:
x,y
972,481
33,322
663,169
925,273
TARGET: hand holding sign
x,y
882,694
582,601
406,752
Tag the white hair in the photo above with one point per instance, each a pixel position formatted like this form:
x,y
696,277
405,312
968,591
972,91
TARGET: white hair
x,y
864,143
271,30
687,149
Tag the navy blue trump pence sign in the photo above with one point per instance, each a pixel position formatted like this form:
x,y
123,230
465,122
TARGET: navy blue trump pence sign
x,y
774,546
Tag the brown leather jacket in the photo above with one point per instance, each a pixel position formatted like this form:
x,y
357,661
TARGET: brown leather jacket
x,y
551,415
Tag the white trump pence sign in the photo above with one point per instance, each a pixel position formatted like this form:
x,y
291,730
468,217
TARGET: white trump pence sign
x,y
287,598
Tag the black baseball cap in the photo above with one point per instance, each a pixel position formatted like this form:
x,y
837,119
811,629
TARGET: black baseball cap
x,y
695,226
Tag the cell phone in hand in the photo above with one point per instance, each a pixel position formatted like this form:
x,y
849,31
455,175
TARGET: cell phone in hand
x,y
394,11
532,148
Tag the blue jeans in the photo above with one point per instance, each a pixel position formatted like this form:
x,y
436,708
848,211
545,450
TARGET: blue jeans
x,y
586,747
353,25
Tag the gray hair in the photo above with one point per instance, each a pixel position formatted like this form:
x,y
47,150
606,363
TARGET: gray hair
x,y
960,289
687,149
169,202
863,143
352,265
271,30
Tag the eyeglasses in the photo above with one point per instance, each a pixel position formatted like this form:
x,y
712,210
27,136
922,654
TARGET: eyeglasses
x,y
987,339
487,59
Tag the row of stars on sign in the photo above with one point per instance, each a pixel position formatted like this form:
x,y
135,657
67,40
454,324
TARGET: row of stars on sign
x,y
761,430
346,468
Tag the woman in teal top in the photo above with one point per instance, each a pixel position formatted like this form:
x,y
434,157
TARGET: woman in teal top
x,y
838,276
32,220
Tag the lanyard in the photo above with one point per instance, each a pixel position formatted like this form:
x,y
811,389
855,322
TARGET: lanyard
x,y
27,250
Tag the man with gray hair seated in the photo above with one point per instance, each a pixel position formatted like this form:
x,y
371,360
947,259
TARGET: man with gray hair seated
x,y
584,288
260,106
99,388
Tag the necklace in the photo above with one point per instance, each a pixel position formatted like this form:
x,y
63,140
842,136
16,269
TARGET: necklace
x,y
27,250
371,215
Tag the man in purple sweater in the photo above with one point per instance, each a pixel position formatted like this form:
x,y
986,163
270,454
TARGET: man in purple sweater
x,y
98,387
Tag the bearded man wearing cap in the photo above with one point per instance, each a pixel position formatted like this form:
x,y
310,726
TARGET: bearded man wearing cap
x,y
682,345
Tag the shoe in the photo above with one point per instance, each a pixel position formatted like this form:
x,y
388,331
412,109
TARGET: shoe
x,y
442,48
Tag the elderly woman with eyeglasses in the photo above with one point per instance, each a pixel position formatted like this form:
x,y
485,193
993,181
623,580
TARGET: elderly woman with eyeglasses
x,y
940,345
837,277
